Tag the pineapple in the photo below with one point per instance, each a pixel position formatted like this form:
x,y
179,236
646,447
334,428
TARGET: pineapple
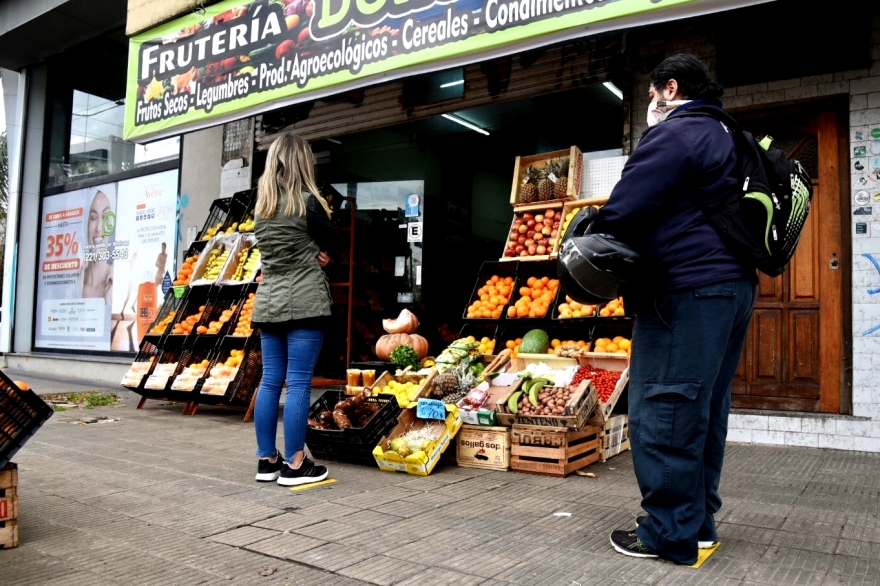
x,y
528,193
445,384
545,185
561,187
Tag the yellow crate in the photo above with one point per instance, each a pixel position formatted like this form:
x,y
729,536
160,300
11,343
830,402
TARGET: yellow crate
x,y
419,463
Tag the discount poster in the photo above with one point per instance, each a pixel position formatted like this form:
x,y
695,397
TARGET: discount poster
x,y
102,263
75,280
147,212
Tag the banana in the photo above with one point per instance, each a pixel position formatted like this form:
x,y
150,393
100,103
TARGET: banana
x,y
513,401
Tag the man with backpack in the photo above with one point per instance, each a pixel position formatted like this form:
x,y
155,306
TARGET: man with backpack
x,y
693,306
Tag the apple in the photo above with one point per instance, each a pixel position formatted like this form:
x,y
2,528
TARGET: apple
x,y
524,253
541,249
549,214
528,216
554,233
521,239
547,230
523,229
530,234
548,222
509,252
529,242
531,223
517,221
532,249
539,218
519,248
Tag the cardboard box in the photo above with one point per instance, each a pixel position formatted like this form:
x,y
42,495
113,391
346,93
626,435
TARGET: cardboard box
x,y
404,403
419,463
483,447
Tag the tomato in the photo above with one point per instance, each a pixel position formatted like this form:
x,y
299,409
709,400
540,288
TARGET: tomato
x,y
282,48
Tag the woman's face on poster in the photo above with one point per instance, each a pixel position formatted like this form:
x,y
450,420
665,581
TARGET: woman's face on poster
x,y
97,212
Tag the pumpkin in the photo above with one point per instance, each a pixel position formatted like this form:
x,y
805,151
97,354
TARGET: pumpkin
x,y
387,343
406,323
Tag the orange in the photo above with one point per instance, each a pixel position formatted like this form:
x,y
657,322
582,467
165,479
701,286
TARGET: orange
x,y
612,347
625,344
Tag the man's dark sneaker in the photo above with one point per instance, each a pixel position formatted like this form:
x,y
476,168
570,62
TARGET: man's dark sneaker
x,y
269,471
307,472
700,544
628,543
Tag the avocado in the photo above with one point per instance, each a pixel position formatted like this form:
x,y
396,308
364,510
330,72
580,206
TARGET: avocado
x,y
535,342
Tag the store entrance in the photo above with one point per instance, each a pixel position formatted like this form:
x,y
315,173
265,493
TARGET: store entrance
x,y
794,351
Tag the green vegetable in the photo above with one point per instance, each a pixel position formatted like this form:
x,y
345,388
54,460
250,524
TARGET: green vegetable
x,y
404,356
534,342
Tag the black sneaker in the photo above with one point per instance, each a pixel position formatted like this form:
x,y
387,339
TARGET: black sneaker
x,y
307,473
628,543
269,471
700,544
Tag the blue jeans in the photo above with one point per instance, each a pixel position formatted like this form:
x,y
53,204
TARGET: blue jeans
x,y
686,349
291,357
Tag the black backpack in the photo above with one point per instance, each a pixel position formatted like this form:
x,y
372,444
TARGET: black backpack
x,y
763,222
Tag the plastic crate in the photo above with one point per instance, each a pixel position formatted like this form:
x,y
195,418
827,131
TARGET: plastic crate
x,y
195,298
241,388
489,268
247,289
21,415
355,444
241,204
142,366
216,215
220,299
165,366
523,272
183,387
174,300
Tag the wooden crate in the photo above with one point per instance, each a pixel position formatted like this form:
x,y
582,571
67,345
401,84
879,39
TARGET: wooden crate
x,y
573,206
553,451
8,534
483,447
9,476
575,171
9,506
534,208
615,436
577,410
387,377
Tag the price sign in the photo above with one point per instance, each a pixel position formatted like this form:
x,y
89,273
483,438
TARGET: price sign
x,y
64,244
431,409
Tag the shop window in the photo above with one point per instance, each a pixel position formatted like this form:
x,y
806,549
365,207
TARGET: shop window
x,y
86,114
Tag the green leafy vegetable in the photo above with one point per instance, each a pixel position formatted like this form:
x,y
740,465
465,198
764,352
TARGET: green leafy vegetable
x,y
404,356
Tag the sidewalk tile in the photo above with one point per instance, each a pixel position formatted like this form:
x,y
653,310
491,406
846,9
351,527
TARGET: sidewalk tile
x,y
243,536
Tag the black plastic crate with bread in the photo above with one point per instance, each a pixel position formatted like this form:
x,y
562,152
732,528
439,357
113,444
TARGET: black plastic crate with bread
x,y
234,372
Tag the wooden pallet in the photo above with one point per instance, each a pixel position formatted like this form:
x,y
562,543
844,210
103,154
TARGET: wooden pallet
x,y
553,451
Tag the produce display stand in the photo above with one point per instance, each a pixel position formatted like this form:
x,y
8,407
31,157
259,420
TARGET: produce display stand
x,y
22,413
177,357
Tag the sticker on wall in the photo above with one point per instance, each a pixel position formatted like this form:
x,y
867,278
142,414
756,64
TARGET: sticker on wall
x,y
414,232
862,198
858,165
860,230
872,258
875,167
874,132
412,205
875,147
862,211
876,227
861,181
860,151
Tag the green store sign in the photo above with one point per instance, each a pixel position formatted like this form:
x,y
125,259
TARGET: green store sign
x,y
241,58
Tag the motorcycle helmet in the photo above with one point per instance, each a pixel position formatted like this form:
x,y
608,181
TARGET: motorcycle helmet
x,y
593,267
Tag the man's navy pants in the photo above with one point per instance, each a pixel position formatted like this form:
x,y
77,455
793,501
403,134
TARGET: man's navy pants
x,y
686,348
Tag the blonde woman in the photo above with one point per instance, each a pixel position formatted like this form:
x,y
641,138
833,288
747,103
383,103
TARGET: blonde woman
x,y
294,233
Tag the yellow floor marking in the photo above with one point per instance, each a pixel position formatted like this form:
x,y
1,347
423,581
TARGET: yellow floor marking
x,y
323,482
705,554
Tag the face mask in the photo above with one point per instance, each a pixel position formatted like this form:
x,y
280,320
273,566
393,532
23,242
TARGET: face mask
x,y
658,111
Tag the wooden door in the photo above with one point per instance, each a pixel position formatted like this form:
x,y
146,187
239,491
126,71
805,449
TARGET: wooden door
x,y
793,354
